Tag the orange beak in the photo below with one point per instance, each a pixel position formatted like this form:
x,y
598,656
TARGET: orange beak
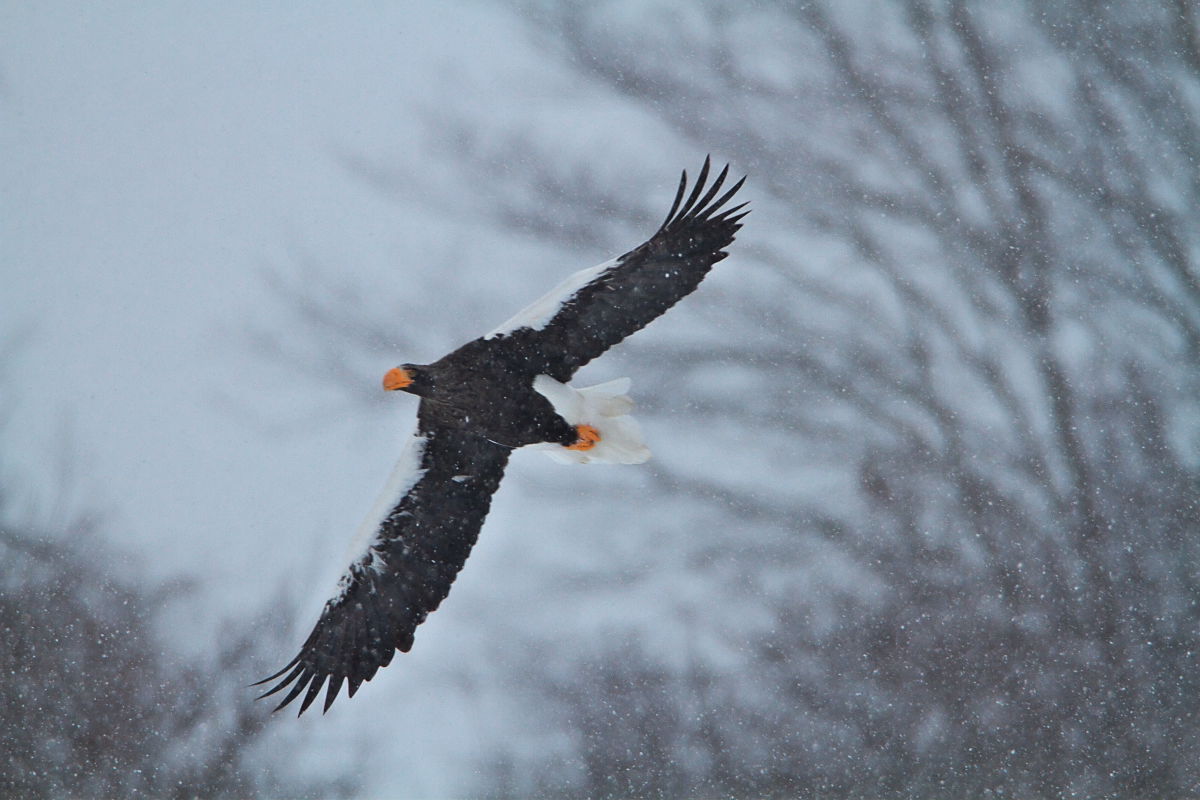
x,y
397,379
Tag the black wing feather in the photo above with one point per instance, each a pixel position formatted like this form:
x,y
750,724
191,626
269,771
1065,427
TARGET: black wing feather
x,y
641,285
423,544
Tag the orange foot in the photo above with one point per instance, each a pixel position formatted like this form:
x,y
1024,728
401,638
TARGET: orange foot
x,y
588,436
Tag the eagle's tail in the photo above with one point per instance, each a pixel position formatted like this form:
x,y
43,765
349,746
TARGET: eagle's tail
x,y
605,407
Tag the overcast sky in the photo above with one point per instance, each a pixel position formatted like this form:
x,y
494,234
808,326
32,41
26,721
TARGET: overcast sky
x,y
857,430
159,160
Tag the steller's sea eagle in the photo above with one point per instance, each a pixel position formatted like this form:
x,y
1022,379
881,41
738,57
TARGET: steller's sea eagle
x,y
502,391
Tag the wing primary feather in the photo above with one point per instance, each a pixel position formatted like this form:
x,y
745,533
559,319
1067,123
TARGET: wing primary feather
x,y
314,688
371,653
725,216
379,640
734,220
696,189
725,198
335,684
320,650
362,654
389,654
283,683
703,208
296,690
348,644
350,666
678,199
269,678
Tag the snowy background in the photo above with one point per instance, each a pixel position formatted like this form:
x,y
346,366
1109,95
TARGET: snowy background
x,y
922,517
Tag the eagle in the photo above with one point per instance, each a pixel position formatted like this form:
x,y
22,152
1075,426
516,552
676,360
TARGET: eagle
x,y
505,390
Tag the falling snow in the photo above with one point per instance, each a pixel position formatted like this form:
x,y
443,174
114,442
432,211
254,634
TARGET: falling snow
x,y
922,517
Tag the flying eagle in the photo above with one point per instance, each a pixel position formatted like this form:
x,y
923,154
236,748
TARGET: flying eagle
x,y
479,403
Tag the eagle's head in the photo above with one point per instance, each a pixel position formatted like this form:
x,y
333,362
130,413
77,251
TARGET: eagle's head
x,y
412,378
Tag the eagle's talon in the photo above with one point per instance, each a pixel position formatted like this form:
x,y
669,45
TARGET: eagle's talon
x,y
588,436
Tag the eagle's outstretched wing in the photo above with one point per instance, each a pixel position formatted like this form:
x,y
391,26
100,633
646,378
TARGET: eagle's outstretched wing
x,y
595,308
412,547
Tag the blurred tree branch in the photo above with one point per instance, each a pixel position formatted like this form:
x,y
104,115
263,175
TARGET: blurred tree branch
x,y
96,701
982,216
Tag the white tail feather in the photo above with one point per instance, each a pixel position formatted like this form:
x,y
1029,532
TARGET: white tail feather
x,y
605,407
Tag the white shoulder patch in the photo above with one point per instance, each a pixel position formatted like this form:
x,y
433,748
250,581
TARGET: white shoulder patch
x,y
538,314
403,478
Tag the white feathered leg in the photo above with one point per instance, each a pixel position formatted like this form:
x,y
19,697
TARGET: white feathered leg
x,y
605,407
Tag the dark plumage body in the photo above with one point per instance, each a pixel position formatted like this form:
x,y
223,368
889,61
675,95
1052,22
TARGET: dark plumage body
x,y
486,387
478,403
